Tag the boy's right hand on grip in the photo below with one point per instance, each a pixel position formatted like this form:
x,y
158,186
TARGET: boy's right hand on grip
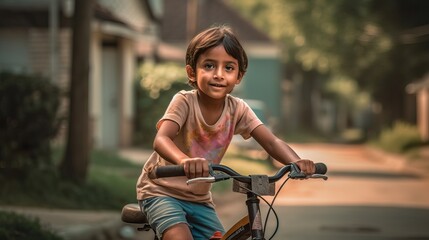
x,y
195,167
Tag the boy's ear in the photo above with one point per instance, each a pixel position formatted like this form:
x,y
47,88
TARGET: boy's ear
x,y
240,76
190,72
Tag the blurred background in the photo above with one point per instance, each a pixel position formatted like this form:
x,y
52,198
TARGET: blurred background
x,y
83,83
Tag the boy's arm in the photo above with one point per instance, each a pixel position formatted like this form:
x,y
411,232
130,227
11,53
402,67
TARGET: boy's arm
x,y
167,149
280,150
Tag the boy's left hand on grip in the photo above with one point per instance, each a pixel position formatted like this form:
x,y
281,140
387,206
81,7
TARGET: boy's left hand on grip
x,y
195,167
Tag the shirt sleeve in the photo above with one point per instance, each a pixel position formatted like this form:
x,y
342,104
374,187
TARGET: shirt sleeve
x,y
177,111
247,120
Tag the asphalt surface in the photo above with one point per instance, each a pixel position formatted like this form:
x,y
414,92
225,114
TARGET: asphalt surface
x,y
369,195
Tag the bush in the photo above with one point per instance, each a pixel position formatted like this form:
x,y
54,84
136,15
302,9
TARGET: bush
x,y
111,184
28,121
154,88
399,138
149,110
14,227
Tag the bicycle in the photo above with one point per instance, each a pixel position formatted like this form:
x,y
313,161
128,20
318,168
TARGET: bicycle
x,y
254,186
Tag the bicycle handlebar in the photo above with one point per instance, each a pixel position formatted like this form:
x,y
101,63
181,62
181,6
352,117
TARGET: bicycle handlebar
x,y
295,173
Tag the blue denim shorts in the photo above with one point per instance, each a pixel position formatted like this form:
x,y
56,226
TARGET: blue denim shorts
x,y
165,212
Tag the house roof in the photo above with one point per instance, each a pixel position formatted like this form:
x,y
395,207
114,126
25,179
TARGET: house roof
x,y
23,17
135,13
104,14
39,18
25,14
209,13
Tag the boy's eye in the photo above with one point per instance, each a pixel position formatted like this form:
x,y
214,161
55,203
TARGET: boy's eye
x,y
209,66
229,68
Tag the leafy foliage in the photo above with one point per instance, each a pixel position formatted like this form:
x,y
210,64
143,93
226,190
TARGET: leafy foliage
x,y
28,121
153,91
375,43
320,34
399,138
157,77
14,226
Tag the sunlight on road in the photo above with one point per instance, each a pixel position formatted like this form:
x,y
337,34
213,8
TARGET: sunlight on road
x,y
356,178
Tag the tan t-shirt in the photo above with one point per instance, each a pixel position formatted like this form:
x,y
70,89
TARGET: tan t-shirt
x,y
196,139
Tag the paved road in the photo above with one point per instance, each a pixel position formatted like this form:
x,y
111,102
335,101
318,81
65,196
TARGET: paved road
x,y
368,196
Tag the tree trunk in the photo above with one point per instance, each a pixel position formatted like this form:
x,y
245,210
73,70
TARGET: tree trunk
x,y
306,104
76,159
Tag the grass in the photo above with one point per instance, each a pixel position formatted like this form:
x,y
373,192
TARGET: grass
x,y
14,226
115,174
244,164
110,185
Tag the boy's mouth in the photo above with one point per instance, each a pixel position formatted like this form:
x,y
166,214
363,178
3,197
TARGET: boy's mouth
x,y
217,85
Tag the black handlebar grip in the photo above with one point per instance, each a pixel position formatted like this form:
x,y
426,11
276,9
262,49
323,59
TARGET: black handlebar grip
x,y
321,168
167,171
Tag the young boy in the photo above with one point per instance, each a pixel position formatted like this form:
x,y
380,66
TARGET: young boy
x,y
195,131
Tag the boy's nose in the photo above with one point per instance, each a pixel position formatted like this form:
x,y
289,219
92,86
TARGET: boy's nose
x,y
218,74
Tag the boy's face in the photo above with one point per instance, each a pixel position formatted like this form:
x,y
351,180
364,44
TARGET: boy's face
x,y
216,74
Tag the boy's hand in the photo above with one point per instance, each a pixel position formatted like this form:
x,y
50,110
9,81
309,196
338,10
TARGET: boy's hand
x,y
195,167
306,166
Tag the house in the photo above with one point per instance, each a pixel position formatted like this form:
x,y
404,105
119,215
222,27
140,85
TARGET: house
x,y
35,38
182,19
421,89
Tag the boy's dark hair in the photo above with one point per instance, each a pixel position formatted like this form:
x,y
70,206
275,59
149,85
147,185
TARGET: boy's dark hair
x,y
213,37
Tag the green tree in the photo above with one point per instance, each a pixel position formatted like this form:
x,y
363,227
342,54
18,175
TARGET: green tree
x,y
316,37
406,24
380,44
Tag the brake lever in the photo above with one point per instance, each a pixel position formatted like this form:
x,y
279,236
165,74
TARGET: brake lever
x,y
209,179
324,177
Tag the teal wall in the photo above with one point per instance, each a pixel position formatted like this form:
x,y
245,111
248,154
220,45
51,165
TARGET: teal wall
x,y
263,82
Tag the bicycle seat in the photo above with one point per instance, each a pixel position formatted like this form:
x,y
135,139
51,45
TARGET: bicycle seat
x,y
131,214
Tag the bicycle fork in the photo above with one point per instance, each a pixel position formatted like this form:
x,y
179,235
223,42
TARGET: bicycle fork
x,y
255,219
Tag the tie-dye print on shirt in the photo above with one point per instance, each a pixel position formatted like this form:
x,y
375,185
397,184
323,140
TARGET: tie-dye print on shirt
x,y
210,143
